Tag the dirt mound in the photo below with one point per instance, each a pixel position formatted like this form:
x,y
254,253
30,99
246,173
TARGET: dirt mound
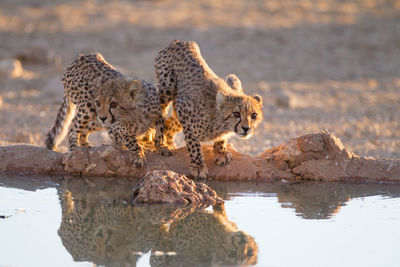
x,y
320,156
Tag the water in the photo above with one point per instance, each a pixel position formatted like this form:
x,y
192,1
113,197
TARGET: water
x,y
81,222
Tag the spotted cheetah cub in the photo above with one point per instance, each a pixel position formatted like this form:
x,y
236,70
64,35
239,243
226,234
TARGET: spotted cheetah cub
x,y
205,106
97,96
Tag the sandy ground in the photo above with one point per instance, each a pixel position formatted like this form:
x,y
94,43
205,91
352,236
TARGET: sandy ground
x,y
318,64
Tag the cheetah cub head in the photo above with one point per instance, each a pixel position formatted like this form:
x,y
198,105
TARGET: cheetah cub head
x,y
242,113
114,98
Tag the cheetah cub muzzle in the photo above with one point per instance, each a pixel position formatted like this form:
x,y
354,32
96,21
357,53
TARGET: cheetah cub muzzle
x,y
205,106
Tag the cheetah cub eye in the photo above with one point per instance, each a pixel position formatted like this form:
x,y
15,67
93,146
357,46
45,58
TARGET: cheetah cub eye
x,y
236,114
113,105
254,116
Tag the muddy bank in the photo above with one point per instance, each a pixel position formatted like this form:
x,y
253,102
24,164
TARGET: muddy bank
x,y
320,156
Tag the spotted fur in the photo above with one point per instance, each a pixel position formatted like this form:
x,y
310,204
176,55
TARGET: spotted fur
x,y
130,109
205,106
95,90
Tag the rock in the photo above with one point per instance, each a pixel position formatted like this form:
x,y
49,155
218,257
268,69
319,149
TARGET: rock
x,y
170,187
282,99
30,159
286,99
10,68
109,161
319,156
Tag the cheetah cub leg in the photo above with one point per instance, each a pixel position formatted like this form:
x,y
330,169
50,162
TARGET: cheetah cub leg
x,y
159,142
74,134
83,139
221,154
78,133
184,108
91,127
172,127
198,168
120,135
148,136
136,154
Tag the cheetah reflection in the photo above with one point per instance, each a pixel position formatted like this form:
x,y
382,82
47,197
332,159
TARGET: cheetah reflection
x,y
101,226
206,238
104,231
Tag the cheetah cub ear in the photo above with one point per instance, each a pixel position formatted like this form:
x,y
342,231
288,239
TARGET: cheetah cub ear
x,y
233,81
134,88
222,99
258,98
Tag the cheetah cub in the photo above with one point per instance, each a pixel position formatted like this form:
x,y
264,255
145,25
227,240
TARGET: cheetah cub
x,y
205,106
97,97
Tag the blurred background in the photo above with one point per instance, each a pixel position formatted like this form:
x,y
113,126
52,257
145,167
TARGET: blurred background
x,y
318,64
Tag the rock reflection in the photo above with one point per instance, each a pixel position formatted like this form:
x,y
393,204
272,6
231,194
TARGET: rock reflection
x,y
314,201
309,199
318,200
99,224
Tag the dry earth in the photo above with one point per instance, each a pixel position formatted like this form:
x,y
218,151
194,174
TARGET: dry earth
x,y
318,64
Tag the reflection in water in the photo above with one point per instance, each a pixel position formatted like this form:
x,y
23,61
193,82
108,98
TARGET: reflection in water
x,y
99,225
314,201
206,239
310,200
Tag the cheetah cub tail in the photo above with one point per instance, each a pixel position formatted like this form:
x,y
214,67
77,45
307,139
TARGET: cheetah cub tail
x,y
60,127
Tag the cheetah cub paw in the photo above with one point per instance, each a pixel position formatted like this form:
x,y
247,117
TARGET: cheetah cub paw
x,y
223,158
137,158
171,144
165,151
198,172
86,145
